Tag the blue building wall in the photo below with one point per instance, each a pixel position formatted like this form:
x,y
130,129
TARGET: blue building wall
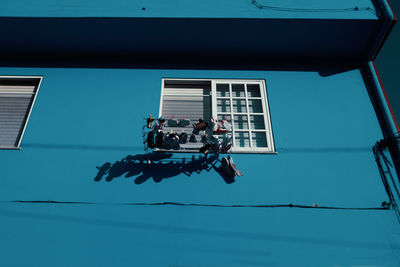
x,y
324,129
53,212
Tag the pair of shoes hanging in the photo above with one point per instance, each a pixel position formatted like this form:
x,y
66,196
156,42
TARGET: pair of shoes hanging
x,y
178,123
229,167
200,126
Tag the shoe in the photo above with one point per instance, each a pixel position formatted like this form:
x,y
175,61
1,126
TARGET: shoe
x,y
226,169
161,123
220,131
201,125
193,139
175,143
172,122
150,139
203,138
226,124
183,137
159,139
173,140
204,149
226,148
183,123
150,122
233,166
194,131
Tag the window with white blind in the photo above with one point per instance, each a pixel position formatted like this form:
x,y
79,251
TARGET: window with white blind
x,y
243,103
17,96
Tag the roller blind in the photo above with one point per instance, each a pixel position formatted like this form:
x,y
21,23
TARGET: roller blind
x,y
193,103
16,99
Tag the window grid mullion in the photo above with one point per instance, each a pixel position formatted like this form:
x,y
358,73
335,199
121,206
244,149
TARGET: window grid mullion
x,y
248,115
267,120
232,118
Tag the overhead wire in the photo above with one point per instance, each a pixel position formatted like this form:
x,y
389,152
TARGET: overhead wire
x,y
378,151
290,9
167,203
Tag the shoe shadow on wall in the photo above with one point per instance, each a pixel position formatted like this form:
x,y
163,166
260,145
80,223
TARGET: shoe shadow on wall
x,y
162,166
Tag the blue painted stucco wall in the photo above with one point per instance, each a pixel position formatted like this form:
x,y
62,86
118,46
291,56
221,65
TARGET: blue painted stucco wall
x,y
187,9
324,128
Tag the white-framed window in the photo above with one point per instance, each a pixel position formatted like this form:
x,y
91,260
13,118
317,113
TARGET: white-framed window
x,y
17,97
244,103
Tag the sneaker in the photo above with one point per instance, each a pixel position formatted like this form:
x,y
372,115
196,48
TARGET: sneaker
x,y
161,123
150,139
150,122
159,139
183,123
201,125
233,166
172,122
183,137
220,131
175,143
226,124
226,148
203,138
227,169
193,139
205,149
194,131
173,140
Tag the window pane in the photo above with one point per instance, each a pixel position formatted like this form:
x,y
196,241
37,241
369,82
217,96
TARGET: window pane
x,y
259,139
222,90
242,139
257,122
255,106
253,90
239,105
238,90
241,122
223,105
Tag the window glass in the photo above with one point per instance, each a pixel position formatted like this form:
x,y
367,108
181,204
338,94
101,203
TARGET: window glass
x,y
257,122
223,90
259,139
239,106
223,105
238,90
255,106
242,139
253,90
241,122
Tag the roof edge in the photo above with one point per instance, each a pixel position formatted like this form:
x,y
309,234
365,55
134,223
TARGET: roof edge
x,y
388,19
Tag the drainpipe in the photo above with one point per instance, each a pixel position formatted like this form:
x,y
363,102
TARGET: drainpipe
x,y
389,125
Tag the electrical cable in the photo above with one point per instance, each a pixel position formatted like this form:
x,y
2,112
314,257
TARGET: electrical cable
x,y
379,154
384,207
288,9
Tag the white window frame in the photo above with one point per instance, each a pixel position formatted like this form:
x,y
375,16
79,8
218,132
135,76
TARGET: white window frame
x,y
37,80
270,149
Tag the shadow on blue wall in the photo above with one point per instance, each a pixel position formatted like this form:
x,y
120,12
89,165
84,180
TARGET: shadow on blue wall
x,y
162,166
